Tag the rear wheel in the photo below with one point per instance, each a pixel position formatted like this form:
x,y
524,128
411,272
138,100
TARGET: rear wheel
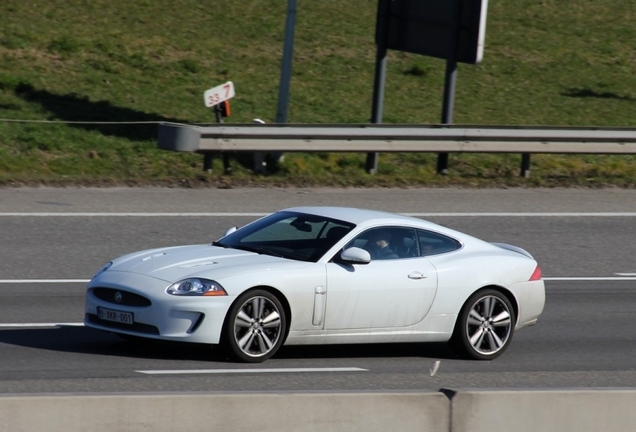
x,y
255,327
485,325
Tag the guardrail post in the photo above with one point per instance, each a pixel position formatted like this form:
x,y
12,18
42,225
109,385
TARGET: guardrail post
x,y
525,165
207,162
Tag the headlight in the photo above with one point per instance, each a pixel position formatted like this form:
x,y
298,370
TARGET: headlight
x,y
103,269
196,287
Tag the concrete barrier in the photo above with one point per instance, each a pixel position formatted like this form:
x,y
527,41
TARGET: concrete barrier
x,y
310,412
545,411
465,411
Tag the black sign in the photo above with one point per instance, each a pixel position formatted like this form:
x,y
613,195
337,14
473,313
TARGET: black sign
x,y
434,27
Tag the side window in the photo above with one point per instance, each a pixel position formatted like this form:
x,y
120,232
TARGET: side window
x,y
433,243
386,243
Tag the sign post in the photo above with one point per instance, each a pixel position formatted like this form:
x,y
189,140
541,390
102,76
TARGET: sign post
x,y
449,29
380,76
219,98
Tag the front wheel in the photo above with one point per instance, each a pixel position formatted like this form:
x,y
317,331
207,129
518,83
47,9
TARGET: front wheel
x,y
485,325
255,327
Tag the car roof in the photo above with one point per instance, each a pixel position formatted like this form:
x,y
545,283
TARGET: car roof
x,y
367,218
357,215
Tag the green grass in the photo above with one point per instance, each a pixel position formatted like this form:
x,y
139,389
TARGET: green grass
x,y
550,62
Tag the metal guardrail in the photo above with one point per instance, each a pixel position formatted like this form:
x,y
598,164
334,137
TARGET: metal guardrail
x,y
397,138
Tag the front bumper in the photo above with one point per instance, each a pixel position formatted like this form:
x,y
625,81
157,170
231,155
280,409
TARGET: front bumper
x,y
187,319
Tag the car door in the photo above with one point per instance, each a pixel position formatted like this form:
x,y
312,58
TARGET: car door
x,y
394,292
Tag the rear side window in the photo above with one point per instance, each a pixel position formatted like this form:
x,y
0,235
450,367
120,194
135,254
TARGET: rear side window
x,y
433,243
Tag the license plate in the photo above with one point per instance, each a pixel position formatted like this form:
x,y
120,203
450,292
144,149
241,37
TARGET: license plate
x,y
115,315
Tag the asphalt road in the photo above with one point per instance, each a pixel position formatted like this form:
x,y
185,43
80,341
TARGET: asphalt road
x,y
52,240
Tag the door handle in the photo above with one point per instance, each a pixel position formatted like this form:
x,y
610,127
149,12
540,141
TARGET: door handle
x,y
417,275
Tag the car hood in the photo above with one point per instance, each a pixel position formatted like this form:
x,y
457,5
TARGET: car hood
x,y
176,263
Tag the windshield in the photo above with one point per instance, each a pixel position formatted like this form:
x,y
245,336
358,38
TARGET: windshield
x,y
296,236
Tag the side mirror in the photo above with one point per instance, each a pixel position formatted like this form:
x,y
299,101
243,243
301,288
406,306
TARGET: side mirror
x,y
355,255
230,231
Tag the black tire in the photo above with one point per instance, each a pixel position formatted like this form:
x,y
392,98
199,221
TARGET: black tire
x,y
255,327
485,326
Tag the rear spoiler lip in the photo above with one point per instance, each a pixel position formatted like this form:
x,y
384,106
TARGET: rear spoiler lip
x,y
514,249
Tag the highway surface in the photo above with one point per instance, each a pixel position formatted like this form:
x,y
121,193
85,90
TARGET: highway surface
x,y
53,240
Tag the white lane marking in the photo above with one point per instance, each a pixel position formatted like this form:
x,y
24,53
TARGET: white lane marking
x,y
504,214
250,214
33,325
39,281
56,214
619,277
593,278
237,371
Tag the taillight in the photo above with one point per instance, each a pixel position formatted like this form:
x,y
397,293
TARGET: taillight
x,y
536,275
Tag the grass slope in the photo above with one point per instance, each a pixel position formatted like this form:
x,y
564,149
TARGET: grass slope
x,y
546,62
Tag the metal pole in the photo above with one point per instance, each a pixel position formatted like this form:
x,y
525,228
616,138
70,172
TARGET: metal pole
x,y
226,157
285,79
285,74
525,165
378,103
207,157
450,79
380,76
207,162
447,109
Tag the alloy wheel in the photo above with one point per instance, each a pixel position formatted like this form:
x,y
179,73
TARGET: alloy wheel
x,y
257,327
489,325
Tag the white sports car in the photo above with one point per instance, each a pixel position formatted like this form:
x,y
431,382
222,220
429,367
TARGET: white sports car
x,y
323,275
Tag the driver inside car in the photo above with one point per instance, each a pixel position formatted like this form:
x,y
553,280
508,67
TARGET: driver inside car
x,y
379,246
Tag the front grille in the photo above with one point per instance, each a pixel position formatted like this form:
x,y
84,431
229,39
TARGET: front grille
x,y
119,297
135,327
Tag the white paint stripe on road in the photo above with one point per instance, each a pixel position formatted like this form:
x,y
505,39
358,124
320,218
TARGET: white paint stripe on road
x,y
254,214
42,281
594,278
619,214
238,371
619,277
34,325
56,214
